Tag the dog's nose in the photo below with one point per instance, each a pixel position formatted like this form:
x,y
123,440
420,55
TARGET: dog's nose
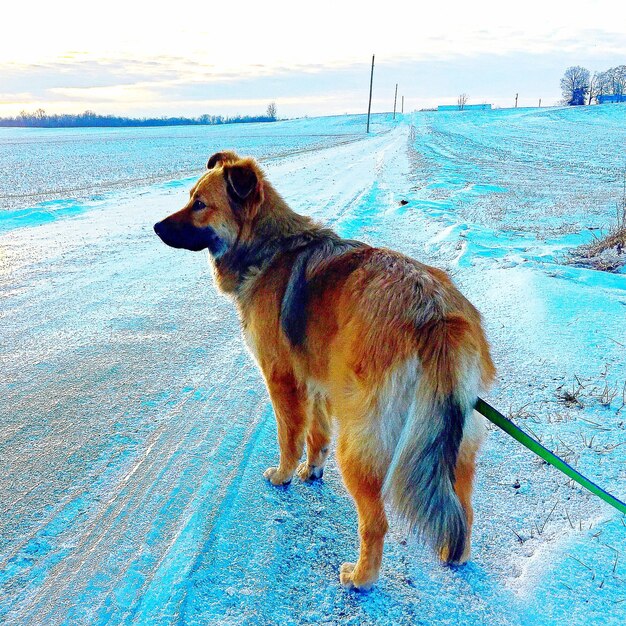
x,y
158,228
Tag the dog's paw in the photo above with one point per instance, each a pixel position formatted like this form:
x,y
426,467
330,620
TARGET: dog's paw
x,y
276,477
309,473
346,572
349,581
444,555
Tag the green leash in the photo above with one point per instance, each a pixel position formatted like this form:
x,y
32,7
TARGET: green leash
x,y
517,433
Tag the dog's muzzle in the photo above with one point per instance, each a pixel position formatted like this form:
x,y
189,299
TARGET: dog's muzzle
x,y
188,237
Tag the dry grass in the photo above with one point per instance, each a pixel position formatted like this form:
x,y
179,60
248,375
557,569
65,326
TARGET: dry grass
x,y
606,252
571,397
588,392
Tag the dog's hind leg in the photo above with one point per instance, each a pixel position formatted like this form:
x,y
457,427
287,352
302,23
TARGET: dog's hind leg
x,y
317,441
365,486
289,400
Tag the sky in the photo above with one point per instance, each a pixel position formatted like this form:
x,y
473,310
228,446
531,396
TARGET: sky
x,y
139,59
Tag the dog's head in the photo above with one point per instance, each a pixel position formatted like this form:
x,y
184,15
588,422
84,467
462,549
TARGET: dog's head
x,y
222,205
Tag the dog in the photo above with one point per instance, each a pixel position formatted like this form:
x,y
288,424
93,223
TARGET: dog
x,y
342,331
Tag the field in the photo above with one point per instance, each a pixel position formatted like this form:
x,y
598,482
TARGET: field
x,y
135,426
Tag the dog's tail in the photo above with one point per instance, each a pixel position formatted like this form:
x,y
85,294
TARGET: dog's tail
x,y
420,479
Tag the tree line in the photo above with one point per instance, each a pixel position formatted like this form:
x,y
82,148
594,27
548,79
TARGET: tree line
x,y
580,86
40,119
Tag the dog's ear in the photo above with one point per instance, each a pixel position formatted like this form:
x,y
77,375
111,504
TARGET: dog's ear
x,y
241,181
218,157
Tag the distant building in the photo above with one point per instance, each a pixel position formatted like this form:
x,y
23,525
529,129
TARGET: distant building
x,y
615,97
466,107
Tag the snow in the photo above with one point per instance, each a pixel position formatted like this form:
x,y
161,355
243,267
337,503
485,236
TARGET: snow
x,y
135,427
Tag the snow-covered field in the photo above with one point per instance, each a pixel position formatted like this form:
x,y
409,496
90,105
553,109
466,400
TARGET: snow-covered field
x,y
135,427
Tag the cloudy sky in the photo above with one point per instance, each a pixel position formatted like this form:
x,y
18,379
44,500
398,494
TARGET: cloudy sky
x,y
189,57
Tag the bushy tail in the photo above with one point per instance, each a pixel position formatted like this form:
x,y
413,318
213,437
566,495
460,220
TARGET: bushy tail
x,y
420,479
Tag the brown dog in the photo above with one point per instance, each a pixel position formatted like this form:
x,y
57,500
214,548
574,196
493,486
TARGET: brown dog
x,y
383,344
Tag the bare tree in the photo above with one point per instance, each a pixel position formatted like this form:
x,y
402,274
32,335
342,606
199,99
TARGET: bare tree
x,y
271,110
595,87
603,85
462,101
611,82
618,80
575,85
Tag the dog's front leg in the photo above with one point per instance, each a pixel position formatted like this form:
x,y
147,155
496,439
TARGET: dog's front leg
x,y
317,441
289,401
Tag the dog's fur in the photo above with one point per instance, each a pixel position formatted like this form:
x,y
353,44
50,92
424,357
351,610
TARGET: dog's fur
x,y
385,345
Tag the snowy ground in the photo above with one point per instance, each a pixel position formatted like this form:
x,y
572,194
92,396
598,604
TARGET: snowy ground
x,y
135,427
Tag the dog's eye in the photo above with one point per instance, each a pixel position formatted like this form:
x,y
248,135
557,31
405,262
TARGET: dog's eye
x,y
198,205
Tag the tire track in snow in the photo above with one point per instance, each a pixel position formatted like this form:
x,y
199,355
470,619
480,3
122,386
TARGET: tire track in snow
x,y
109,524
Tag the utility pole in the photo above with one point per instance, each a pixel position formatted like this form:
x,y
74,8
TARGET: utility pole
x,y
402,105
395,99
516,100
369,106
